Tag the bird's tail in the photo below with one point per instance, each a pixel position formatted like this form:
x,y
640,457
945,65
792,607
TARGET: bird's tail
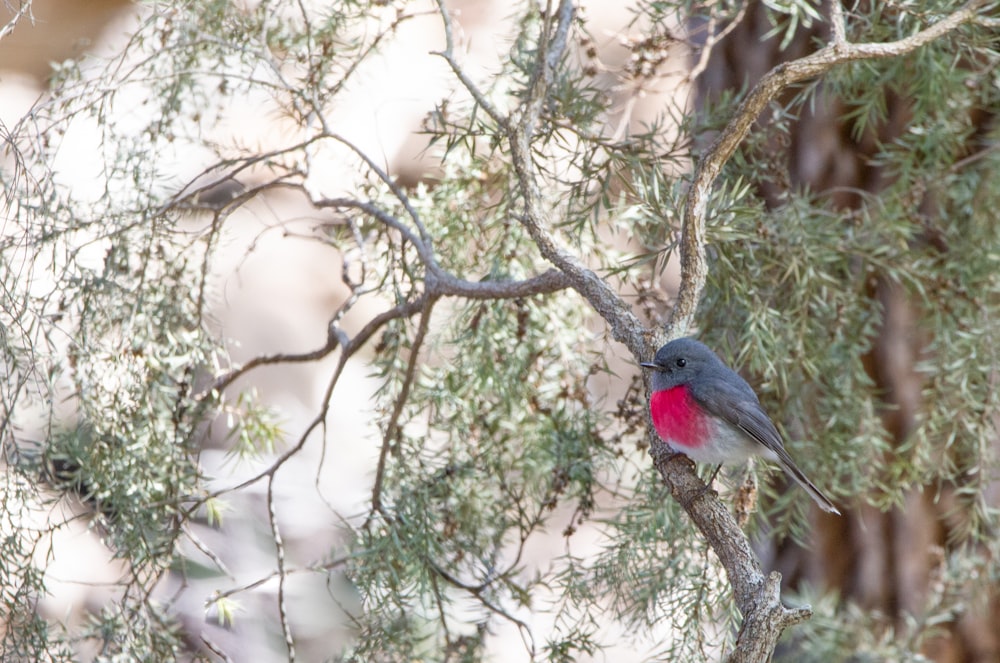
x,y
793,471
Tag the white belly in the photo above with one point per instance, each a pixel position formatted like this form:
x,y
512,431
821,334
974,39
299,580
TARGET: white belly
x,y
726,445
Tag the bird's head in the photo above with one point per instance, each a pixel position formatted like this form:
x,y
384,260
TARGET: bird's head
x,y
679,362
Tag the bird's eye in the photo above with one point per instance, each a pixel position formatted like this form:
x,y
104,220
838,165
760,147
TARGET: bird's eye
x,y
681,363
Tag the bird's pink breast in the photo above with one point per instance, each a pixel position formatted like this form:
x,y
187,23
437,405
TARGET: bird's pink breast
x,y
678,419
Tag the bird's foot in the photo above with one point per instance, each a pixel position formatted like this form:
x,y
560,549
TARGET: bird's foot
x,y
663,453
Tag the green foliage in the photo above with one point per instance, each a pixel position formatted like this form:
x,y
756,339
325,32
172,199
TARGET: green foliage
x,y
491,440
961,585
800,279
498,433
651,580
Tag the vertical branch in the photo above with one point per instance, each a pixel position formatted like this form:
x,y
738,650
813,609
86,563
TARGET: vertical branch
x,y
550,51
392,428
279,546
625,327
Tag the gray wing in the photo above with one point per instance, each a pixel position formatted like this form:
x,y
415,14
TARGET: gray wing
x,y
731,399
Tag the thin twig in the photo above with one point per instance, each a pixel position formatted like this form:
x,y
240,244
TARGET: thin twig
x,y
312,568
392,427
22,11
712,39
449,56
215,649
205,550
279,546
403,310
397,190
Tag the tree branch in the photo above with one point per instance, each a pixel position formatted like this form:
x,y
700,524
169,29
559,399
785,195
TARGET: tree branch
x,y
692,245
550,52
757,597
437,283
624,326
279,546
23,10
392,427
394,186
405,309
712,38
449,56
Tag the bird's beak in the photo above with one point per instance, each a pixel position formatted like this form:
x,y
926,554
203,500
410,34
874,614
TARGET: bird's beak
x,y
655,367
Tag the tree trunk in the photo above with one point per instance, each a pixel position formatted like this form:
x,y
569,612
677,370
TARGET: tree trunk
x,y
881,561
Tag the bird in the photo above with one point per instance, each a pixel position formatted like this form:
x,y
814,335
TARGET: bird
x,y
704,409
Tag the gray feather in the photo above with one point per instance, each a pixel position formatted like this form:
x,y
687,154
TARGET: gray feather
x,y
723,393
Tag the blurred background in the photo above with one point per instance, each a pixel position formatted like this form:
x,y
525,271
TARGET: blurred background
x,y
272,291
275,294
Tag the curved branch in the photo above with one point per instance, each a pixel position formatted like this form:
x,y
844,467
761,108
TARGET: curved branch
x,y
437,283
449,56
440,282
394,186
624,326
756,596
693,267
